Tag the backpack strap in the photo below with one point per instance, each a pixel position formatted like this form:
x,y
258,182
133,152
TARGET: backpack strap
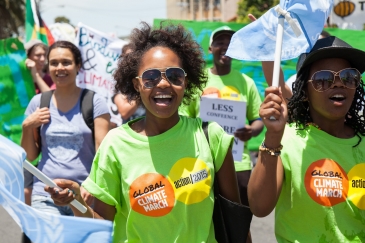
x,y
87,109
46,99
45,102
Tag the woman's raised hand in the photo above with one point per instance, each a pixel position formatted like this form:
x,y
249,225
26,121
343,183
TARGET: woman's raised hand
x,y
30,64
274,112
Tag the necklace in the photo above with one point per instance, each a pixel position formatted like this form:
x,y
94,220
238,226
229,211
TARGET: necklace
x,y
313,124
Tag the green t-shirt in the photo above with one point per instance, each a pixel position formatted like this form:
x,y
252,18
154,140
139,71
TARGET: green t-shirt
x,y
233,86
323,193
161,186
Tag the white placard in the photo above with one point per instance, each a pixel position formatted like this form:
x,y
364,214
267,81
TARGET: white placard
x,y
100,53
229,114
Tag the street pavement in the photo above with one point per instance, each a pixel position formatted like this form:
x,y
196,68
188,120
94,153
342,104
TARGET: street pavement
x,y
262,229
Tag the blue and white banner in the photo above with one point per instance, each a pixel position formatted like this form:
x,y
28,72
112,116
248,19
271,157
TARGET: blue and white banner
x,y
39,226
257,41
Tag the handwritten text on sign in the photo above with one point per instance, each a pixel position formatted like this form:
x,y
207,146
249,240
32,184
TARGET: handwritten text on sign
x,y
229,114
100,53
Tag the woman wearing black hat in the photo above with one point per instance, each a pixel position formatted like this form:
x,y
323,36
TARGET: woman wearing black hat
x,y
311,165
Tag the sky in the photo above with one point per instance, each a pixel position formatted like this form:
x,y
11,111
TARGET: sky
x,y
109,16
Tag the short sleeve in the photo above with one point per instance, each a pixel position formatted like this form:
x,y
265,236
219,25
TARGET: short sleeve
x,y
33,104
253,100
103,181
219,142
100,106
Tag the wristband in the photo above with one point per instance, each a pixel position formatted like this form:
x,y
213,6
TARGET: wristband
x,y
271,151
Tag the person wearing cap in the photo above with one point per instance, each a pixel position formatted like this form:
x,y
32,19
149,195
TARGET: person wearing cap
x,y
311,165
36,63
227,83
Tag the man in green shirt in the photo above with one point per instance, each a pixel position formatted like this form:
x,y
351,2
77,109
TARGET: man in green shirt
x,y
226,83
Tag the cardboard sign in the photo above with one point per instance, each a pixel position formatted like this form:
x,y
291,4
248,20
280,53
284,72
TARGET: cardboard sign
x,y
100,53
229,114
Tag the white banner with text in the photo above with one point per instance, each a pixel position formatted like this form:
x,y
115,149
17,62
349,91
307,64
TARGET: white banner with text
x,y
229,114
100,53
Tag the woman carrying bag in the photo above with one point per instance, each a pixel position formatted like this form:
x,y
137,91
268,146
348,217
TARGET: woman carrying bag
x,y
153,176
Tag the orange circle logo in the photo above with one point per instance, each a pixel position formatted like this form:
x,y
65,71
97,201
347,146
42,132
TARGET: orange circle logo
x,y
152,195
212,92
326,182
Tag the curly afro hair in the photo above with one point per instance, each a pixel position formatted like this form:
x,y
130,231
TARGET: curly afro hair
x,y
298,107
172,36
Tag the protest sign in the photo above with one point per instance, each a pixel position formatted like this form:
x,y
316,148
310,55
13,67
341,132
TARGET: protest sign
x,y
100,53
16,88
62,31
229,114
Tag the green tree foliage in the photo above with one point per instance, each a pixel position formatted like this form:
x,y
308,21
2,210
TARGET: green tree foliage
x,y
62,19
255,7
12,16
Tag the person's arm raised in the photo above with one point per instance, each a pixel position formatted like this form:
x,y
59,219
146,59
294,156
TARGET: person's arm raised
x,y
37,79
268,68
266,180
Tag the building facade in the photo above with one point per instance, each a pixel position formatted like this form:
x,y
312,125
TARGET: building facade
x,y
202,10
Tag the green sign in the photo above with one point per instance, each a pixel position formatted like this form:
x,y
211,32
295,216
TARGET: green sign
x,y
16,88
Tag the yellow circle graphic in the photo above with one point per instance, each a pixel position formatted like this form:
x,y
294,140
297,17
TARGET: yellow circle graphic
x,y
356,192
230,93
191,180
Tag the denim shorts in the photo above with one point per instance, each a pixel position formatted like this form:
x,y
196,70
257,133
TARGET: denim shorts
x,y
46,204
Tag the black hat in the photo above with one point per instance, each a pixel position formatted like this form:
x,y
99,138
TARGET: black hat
x,y
333,47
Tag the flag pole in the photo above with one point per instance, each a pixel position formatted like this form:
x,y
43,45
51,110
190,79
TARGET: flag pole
x,y
279,44
46,180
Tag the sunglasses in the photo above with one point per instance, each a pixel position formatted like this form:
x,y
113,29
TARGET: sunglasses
x,y
324,79
174,75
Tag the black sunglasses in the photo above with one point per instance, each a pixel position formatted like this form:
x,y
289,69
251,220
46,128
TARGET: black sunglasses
x,y
324,79
174,75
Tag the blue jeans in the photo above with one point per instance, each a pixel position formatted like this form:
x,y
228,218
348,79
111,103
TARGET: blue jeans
x,y
46,204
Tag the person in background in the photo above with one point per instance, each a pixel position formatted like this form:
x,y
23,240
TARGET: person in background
x,y
311,164
129,110
227,83
66,142
156,172
36,62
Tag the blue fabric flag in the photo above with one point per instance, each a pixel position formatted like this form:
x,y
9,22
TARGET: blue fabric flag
x,y
39,226
256,41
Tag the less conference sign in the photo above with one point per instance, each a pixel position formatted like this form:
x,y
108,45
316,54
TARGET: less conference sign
x,y
229,114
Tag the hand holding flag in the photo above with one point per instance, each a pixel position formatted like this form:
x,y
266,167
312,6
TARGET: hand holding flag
x,y
39,226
